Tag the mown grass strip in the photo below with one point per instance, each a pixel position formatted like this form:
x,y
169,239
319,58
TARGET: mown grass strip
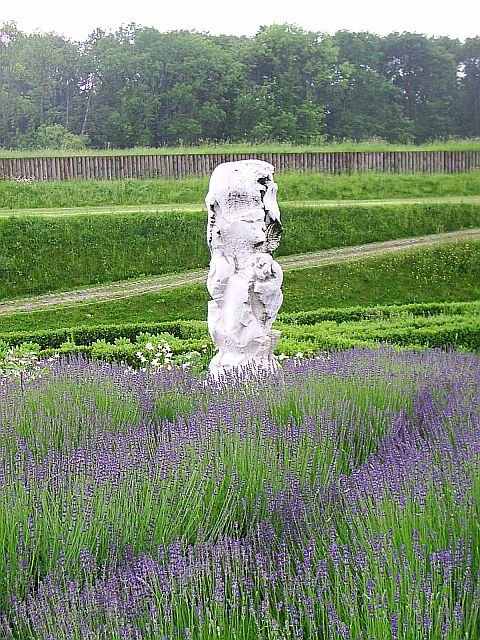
x,y
184,208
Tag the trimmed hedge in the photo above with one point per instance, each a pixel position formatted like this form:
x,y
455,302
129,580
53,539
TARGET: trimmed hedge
x,y
380,311
197,329
409,326
447,331
87,335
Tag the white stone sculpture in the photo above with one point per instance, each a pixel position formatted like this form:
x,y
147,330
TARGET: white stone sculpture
x,y
244,281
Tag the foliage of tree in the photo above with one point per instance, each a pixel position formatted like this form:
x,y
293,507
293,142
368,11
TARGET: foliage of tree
x,y
138,86
426,73
287,71
56,136
470,87
361,98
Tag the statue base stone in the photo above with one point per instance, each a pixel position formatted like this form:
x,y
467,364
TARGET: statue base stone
x,y
256,356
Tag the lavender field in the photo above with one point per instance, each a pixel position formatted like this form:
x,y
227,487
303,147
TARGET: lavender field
x,y
337,498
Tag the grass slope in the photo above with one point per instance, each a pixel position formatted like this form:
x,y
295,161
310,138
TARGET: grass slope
x,y
274,147
292,186
45,254
449,272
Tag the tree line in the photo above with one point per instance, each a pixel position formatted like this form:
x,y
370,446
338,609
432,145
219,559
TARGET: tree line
x,y
142,87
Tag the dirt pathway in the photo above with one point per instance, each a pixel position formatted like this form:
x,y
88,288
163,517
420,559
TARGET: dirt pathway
x,y
130,288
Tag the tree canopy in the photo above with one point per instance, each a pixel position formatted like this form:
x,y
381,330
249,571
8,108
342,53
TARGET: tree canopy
x,y
138,86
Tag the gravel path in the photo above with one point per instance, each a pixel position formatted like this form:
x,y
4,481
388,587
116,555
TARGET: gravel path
x,y
130,288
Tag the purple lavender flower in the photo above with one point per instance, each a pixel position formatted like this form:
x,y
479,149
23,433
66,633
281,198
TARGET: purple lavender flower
x,y
334,499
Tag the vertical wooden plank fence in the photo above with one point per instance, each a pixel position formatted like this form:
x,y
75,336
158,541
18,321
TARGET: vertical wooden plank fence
x,y
182,165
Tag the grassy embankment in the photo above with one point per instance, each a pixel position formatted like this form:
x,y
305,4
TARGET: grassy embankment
x,y
444,273
293,186
45,250
42,252
41,255
275,147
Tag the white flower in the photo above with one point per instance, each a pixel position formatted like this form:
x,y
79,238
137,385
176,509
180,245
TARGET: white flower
x,y
129,371
155,362
299,355
149,346
283,356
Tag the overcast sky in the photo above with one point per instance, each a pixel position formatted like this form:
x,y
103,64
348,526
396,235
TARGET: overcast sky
x,y
243,17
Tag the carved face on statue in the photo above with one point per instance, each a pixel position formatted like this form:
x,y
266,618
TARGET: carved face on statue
x,y
242,194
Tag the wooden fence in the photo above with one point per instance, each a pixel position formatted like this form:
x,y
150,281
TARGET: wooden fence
x,y
179,166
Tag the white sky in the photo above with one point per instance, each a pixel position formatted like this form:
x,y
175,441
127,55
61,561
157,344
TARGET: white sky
x,y
243,17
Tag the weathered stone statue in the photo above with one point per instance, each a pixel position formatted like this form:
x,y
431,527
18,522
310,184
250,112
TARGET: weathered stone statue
x,y
244,280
